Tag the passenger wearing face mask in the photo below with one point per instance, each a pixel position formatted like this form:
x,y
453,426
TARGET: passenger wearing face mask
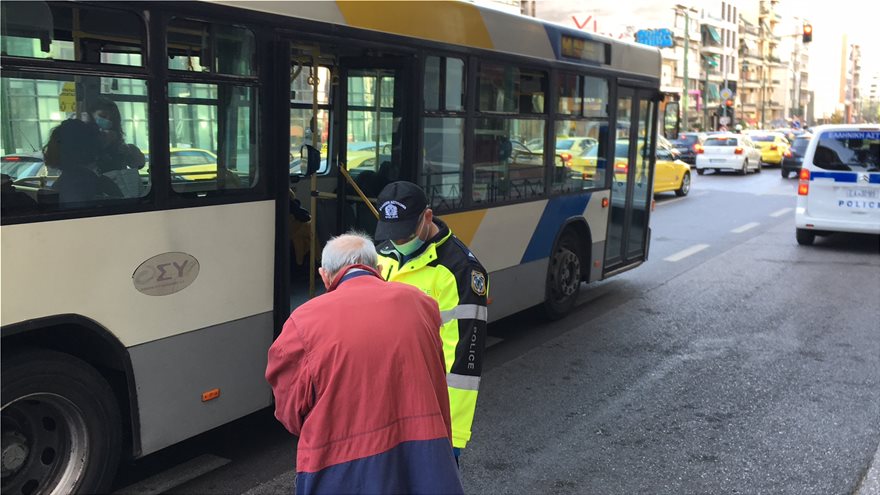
x,y
117,160
420,250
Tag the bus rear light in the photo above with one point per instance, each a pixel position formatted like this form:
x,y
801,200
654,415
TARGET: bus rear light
x,y
804,182
738,150
604,202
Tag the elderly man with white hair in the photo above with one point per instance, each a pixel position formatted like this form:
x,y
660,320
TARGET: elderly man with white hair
x,y
358,374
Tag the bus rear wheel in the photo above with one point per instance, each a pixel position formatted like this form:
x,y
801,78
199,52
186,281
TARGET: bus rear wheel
x,y
61,425
563,277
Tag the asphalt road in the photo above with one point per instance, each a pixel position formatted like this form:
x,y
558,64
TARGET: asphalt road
x,y
734,361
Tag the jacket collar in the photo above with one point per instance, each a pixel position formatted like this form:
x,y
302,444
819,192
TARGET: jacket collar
x,y
420,258
351,269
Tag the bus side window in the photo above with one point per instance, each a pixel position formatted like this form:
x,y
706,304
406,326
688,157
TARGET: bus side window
x,y
212,130
117,117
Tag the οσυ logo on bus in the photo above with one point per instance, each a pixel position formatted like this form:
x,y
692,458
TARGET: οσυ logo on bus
x,y
165,274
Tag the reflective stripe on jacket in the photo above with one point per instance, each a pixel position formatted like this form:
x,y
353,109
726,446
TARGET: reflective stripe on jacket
x,y
446,270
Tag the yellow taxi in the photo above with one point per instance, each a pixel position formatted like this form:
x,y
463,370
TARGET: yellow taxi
x,y
670,174
773,146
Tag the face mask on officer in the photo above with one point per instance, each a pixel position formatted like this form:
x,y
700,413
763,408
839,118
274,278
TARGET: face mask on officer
x,y
410,246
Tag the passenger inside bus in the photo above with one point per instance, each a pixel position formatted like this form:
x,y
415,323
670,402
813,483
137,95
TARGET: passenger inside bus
x,y
73,148
116,159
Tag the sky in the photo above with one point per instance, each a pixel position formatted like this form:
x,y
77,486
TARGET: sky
x,y
830,20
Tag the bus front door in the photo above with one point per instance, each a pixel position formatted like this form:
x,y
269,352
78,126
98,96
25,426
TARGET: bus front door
x,y
631,185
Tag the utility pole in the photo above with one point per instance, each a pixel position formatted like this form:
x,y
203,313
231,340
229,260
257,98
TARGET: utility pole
x,y
762,34
684,93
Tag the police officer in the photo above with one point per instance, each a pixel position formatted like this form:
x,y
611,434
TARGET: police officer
x,y
420,250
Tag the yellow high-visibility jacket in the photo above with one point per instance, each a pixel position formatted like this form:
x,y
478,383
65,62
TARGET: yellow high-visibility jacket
x,y
445,269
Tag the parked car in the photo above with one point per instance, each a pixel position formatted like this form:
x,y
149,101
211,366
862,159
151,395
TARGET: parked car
x,y
687,145
773,146
794,156
729,153
839,182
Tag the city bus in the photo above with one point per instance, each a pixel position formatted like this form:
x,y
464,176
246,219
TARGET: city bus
x,y
246,134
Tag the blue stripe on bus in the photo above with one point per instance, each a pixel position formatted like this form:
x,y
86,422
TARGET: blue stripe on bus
x,y
557,211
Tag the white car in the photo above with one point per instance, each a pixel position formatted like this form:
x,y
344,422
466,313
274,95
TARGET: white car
x,y
728,153
839,182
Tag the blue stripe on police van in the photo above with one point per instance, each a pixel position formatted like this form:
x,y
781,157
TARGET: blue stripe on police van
x,y
837,176
558,210
874,178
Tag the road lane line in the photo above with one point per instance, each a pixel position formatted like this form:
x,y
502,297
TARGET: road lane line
x,y
748,226
175,476
781,212
686,252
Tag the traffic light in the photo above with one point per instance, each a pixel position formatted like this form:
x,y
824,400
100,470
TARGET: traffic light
x,y
808,32
728,103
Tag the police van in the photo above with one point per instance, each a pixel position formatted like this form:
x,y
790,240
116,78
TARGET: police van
x,y
839,183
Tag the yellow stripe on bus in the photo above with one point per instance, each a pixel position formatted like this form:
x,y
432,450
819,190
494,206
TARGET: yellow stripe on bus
x,y
449,22
465,225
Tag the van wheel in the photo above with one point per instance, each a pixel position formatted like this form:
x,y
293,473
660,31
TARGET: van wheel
x,y
61,425
700,171
685,186
745,168
805,237
563,277
758,170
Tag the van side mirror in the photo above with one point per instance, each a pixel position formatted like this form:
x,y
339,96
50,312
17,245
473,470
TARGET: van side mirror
x,y
310,160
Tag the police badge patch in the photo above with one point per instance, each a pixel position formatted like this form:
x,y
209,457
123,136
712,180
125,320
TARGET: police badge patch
x,y
478,282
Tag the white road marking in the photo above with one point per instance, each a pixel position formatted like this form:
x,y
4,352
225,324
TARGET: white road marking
x,y
490,341
748,226
781,212
175,476
686,252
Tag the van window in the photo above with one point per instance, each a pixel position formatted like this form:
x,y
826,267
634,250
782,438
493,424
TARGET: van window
x,y
858,151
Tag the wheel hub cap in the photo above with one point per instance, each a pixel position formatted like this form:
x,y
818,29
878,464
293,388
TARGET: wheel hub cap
x,y
15,452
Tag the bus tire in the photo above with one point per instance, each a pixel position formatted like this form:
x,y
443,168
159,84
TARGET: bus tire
x,y
62,430
563,277
805,237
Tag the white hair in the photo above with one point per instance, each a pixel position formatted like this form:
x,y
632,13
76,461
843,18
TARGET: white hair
x,y
353,248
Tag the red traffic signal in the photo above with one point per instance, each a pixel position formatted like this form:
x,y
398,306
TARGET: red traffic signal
x,y
808,33
728,103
